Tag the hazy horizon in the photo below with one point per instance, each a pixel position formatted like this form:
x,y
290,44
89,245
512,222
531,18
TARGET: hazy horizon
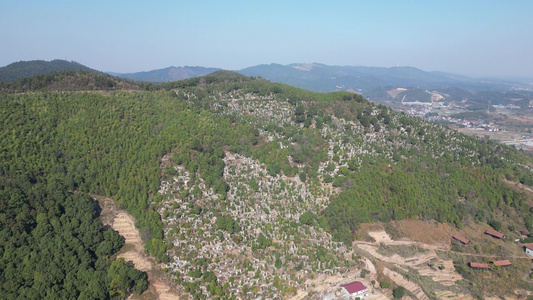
x,y
476,39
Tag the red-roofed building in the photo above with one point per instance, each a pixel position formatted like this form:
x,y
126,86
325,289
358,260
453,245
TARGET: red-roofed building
x,y
494,233
529,249
461,239
502,263
356,288
479,266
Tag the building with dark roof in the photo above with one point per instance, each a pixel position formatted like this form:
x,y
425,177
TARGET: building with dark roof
x,y
474,265
494,233
502,263
461,239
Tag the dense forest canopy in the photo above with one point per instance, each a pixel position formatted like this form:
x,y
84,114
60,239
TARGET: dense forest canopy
x,y
53,245
59,143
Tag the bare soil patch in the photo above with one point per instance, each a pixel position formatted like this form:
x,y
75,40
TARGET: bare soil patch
x,y
431,233
415,253
452,296
380,236
427,232
414,261
445,276
124,223
163,291
409,285
140,262
133,249
493,135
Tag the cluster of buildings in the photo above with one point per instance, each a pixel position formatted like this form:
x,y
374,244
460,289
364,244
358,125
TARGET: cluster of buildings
x,y
467,123
498,263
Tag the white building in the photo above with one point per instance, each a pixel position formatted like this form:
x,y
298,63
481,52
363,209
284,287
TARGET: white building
x,y
529,249
355,289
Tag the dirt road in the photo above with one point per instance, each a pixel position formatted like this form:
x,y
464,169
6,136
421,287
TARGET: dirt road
x,y
124,223
411,286
445,274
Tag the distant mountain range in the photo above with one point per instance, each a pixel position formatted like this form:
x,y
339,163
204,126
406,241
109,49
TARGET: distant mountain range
x,y
314,76
23,69
167,74
324,78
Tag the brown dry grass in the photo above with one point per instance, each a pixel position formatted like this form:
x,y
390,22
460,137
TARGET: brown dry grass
x,y
427,232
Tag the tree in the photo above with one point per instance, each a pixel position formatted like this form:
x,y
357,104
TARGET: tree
x,y
278,263
307,218
497,225
398,292
303,176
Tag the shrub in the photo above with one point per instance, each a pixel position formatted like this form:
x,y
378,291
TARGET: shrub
x,y
303,176
328,179
307,218
398,292
497,225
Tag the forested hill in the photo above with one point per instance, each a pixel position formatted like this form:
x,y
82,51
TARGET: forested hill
x,y
284,175
31,68
69,81
167,74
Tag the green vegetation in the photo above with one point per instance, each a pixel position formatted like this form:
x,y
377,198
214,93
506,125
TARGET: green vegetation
x,y
398,292
25,69
81,80
405,251
216,167
228,224
53,246
415,95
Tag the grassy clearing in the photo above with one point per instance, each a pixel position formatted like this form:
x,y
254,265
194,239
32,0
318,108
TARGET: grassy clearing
x,y
404,251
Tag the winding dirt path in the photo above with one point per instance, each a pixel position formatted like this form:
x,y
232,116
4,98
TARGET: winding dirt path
x,y
124,223
446,275
411,286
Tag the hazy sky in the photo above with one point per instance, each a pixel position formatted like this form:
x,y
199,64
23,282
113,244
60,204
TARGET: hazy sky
x,y
477,38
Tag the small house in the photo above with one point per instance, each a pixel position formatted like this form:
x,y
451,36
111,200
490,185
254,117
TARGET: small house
x,y
356,288
461,239
529,249
474,265
502,263
494,233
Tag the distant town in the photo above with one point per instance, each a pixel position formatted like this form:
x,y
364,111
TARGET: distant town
x,y
445,114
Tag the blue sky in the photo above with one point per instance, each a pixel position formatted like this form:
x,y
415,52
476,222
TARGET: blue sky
x,y
476,38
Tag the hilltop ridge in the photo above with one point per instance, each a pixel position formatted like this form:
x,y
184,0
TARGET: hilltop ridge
x,y
23,69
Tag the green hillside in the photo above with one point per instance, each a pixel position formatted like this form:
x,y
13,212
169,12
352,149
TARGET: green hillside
x,y
24,69
242,187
